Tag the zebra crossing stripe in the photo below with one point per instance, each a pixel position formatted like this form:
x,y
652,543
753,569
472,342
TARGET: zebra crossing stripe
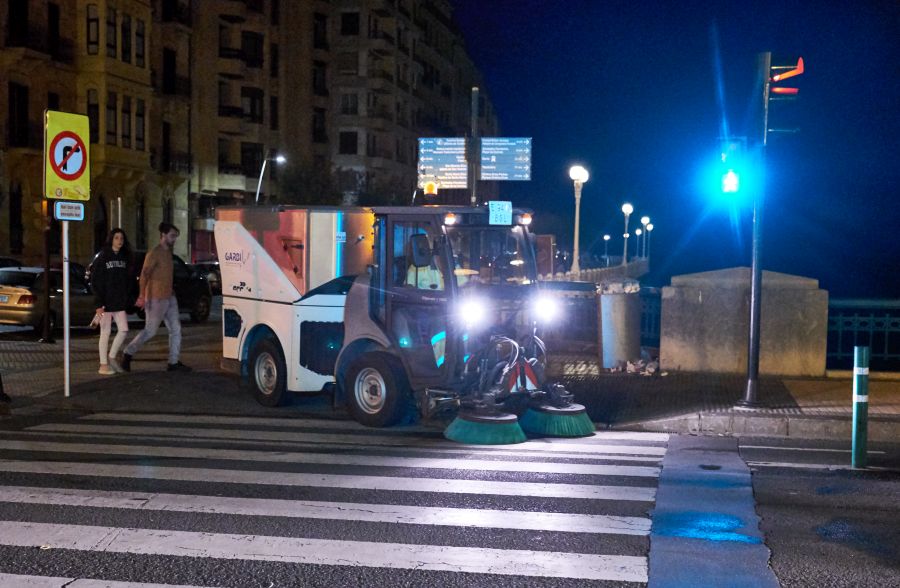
x,y
375,439
338,459
618,568
351,482
483,450
20,581
340,511
318,423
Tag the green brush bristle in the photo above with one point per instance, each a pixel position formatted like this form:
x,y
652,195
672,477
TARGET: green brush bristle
x,y
539,422
473,433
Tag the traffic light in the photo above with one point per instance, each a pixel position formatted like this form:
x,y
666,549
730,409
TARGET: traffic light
x,y
772,75
732,163
793,70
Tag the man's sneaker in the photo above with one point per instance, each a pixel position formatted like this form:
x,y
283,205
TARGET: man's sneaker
x,y
126,362
105,370
114,365
178,367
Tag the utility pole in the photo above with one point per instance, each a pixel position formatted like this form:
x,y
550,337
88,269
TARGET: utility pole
x,y
474,150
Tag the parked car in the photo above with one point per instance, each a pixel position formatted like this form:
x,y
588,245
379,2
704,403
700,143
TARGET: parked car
x,y
210,270
191,287
21,298
10,262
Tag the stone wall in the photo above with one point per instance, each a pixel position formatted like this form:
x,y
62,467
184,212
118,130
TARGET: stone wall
x,y
705,318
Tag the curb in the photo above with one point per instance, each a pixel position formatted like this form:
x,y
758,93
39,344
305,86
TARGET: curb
x,y
741,425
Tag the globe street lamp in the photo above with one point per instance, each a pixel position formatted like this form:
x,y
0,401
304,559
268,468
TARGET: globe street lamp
x,y
645,220
279,159
637,242
579,176
627,209
647,251
606,249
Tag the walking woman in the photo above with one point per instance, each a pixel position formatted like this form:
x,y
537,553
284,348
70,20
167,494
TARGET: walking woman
x,y
111,281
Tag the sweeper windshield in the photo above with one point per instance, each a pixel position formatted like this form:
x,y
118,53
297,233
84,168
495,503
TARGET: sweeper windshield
x,y
490,255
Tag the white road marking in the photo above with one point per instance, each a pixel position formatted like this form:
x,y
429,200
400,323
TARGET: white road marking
x,y
337,459
21,581
815,466
814,449
485,450
352,482
326,552
341,511
376,440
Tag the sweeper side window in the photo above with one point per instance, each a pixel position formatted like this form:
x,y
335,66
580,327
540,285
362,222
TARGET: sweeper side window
x,y
417,263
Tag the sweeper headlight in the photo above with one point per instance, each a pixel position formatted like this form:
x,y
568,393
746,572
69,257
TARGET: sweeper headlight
x,y
472,311
545,309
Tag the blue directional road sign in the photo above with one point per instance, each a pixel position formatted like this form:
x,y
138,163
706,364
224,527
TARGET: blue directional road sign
x,y
443,161
506,158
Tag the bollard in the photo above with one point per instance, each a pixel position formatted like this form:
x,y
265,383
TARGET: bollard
x,y
860,405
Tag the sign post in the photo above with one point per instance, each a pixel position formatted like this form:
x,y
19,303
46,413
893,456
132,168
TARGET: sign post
x,y
67,176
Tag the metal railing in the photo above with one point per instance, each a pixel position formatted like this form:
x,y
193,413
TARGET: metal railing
x,y
872,323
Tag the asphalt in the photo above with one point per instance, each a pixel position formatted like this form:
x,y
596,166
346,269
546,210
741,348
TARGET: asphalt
x,y
31,374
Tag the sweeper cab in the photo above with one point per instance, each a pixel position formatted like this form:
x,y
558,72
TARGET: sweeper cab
x,y
399,312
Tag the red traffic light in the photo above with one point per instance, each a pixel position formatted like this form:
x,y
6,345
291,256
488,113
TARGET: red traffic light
x,y
791,73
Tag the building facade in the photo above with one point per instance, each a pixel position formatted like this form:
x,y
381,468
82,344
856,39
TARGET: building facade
x,y
188,99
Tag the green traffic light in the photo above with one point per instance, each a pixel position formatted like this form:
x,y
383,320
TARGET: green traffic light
x,y
731,182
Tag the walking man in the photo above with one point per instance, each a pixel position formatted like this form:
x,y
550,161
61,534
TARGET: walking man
x,y
157,299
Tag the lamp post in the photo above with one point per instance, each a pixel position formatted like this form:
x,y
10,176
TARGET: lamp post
x,y
606,249
647,251
637,243
627,209
279,159
645,220
579,176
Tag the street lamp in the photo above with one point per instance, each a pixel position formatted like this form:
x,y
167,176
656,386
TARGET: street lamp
x,y
606,249
645,220
579,176
279,159
627,209
637,242
647,251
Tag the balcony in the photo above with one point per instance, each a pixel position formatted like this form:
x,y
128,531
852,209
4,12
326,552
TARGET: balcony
x,y
36,39
171,162
173,85
231,53
231,177
231,111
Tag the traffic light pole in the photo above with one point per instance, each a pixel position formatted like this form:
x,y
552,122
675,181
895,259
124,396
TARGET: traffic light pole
x,y
750,399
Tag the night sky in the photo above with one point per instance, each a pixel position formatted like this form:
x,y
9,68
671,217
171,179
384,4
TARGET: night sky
x,y
631,90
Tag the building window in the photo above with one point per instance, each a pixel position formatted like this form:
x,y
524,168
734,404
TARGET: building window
x,y
126,38
224,148
93,29
52,101
168,210
320,31
139,126
18,115
273,60
252,47
320,79
126,121
170,60
350,104
111,133
16,226
93,113
139,43
348,63
110,32
348,143
17,23
318,126
276,12
273,113
224,94
251,158
252,104
350,23
371,144
140,224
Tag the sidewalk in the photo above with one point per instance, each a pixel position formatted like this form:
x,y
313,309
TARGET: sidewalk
x,y
701,403
704,403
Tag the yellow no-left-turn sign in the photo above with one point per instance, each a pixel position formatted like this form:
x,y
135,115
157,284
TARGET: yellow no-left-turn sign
x,y
67,162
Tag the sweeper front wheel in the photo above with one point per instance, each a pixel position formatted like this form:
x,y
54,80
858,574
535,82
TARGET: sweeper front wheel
x,y
377,392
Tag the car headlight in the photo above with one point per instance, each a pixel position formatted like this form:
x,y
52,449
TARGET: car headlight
x,y
472,311
545,309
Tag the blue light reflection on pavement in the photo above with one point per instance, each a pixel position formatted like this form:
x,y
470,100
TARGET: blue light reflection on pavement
x,y
709,526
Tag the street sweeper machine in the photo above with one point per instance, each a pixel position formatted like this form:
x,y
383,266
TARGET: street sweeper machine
x,y
426,312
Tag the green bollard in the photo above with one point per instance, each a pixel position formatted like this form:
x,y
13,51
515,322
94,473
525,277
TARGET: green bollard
x,y
860,405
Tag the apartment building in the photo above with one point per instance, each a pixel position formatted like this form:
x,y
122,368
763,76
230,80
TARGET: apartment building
x,y
188,99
